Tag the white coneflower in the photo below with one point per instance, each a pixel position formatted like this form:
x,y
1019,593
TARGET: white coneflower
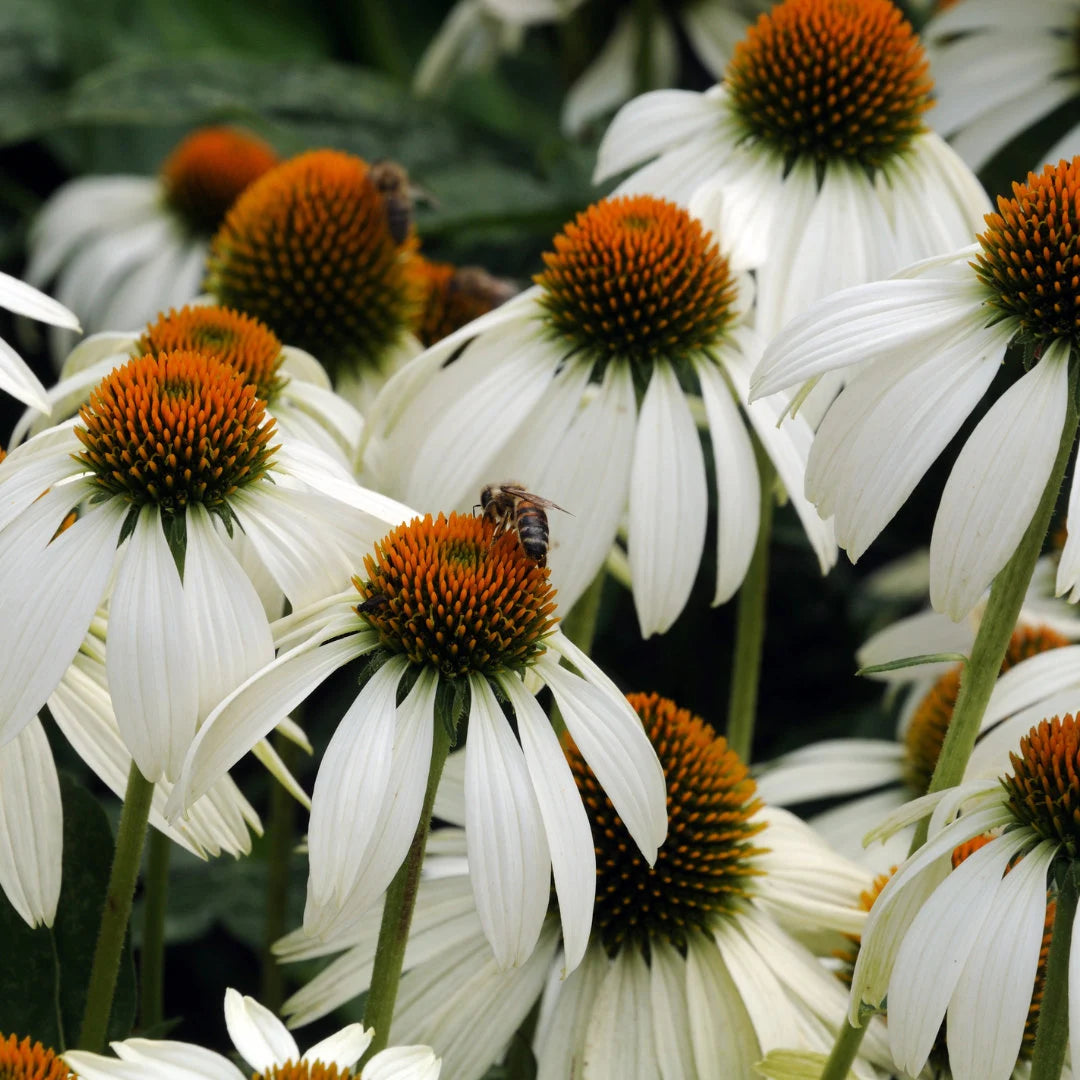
x,y
691,968
927,344
462,617
293,384
123,248
577,389
965,943
265,1044
311,251
813,152
172,453
1000,68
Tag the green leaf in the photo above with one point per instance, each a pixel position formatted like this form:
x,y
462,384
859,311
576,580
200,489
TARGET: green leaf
x,y
43,972
913,661
791,1065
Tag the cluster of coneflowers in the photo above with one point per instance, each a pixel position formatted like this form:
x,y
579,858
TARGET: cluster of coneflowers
x,y
290,443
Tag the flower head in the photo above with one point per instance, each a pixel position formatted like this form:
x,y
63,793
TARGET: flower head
x,y
20,1059
309,250
579,386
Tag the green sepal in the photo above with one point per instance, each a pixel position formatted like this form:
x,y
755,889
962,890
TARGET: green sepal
x,y
175,528
452,697
373,661
914,661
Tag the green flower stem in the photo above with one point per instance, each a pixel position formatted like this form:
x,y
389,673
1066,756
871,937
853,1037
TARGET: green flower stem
x,y
750,622
580,623
645,17
996,627
152,953
1052,1034
398,909
116,911
844,1052
280,835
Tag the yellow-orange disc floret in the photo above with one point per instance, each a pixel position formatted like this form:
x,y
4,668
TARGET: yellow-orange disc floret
x,y
1030,258
306,1070
1044,787
238,339
704,865
450,594
24,1060
308,250
930,721
637,278
831,80
204,174
175,428
452,296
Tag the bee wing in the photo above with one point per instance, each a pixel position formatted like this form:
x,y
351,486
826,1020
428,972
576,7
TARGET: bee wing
x,y
536,500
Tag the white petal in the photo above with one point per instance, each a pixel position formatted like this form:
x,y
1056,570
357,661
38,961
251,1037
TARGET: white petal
x,y
52,592
668,504
23,299
670,1011
609,80
151,660
989,499
738,490
828,768
19,381
349,789
168,1060
31,826
344,1048
569,835
231,633
1068,571
989,1008
610,737
508,852
924,633
261,1038
619,1041
404,1063
564,1016
29,470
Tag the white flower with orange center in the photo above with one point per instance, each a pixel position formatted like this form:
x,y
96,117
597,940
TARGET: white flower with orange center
x,y
691,968
309,249
813,152
454,620
579,390
925,347
293,384
122,248
172,455
1002,68
966,944
267,1048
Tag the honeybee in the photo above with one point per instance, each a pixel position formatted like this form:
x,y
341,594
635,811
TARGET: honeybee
x,y
477,284
399,195
510,506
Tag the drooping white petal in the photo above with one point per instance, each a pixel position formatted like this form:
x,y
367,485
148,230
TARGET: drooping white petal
x,y
1068,571
31,826
19,381
40,464
989,498
349,789
404,1063
151,659
670,1011
52,590
828,768
565,1011
569,835
619,1042
738,491
989,1007
167,1059
261,1038
610,737
508,852
920,634
23,299
344,1048
668,503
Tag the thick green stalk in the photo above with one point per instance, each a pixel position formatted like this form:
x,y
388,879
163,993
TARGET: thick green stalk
x,y
152,953
280,836
117,911
997,625
750,622
1052,1034
398,909
580,623
844,1052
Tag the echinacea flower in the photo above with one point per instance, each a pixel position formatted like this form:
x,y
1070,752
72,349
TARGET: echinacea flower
x,y
460,616
20,1059
123,248
1000,68
928,343
265,1044
813,152
875,776
16,378
173,453
965,943
578,390
308,249
292,383
692,966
